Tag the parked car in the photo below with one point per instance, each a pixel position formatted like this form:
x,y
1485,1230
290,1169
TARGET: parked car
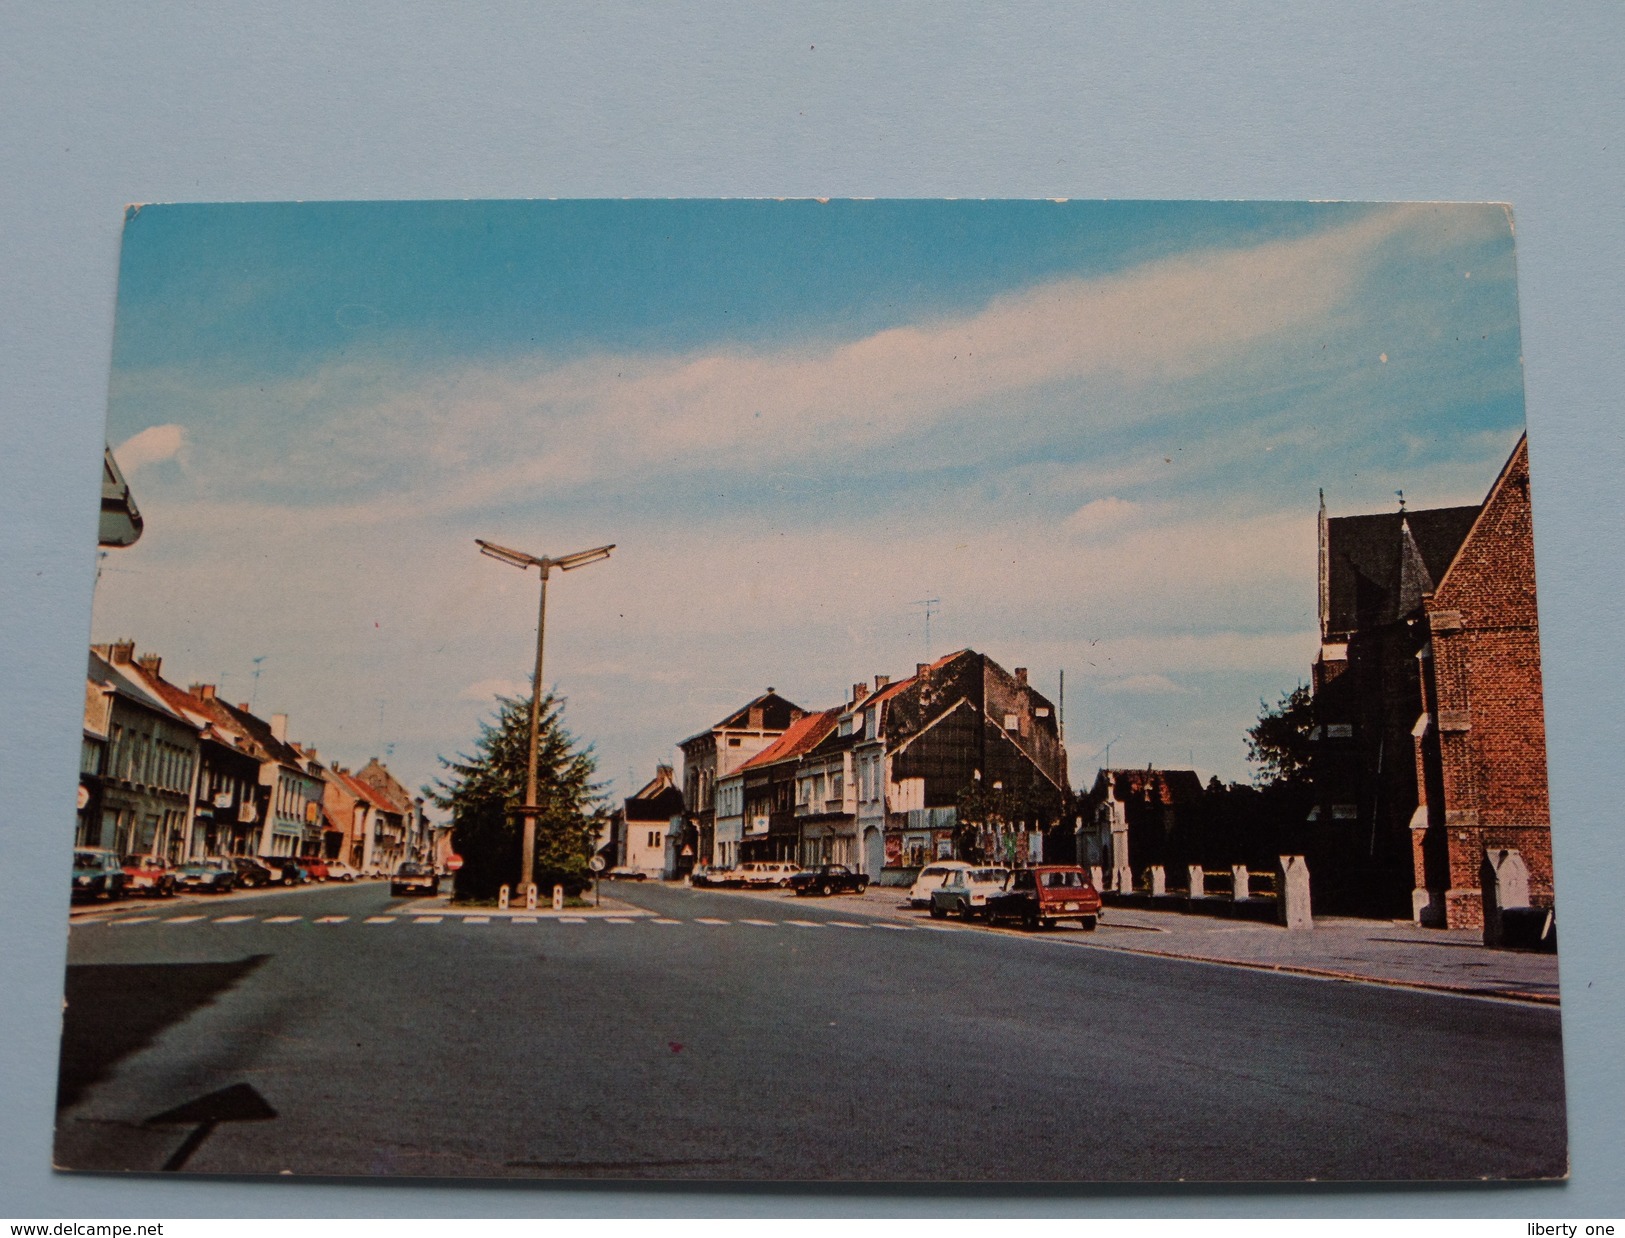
x,y
211,875
315,866
829,879
760,873
252,873
286,870
622,873
338,870
964,892
149,874
720,876
919,894
1039,897
97,873
414,878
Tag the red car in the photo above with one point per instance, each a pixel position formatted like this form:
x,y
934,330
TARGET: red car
x,y
1042,896
148,874
315,866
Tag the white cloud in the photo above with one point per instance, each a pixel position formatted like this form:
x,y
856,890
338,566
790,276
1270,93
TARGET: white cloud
x,y
1102,515
1140,685
153,445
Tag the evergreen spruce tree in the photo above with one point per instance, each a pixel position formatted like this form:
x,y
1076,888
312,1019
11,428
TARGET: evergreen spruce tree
x,y
484,791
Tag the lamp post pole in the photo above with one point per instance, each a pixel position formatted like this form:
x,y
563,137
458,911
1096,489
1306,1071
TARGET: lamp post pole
x,y
565,563
527,857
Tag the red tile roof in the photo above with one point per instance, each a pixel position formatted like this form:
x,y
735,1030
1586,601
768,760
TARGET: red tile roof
x,y
803,734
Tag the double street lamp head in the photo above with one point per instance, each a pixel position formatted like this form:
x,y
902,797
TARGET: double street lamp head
x,y
565,563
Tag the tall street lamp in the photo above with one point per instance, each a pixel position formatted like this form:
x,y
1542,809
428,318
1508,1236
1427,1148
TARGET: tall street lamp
x,y
523,561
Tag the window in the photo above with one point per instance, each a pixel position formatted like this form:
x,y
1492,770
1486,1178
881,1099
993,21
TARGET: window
x,y
1011,722
654,838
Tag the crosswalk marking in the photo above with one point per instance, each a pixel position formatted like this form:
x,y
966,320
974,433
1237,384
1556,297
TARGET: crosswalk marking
x,y
524,919
763,923
476,919
182,919
284,919
805,923
572,919
375,920
665,921
536,919
331,919
427,919
620,920
896,928
707,920
845,924
136,920
231,919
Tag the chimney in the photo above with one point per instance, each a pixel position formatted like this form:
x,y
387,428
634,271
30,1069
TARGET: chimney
x,y
881,681
150,662
756,717
242,707
1021,676
279,728
203,691
920,668
663,771
859,691
122,652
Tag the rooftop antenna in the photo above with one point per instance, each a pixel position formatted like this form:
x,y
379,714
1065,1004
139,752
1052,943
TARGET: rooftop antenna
x,y
932,606
254,692
1401,495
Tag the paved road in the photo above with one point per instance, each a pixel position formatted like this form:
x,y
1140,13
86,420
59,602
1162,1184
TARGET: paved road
x,y
716,1037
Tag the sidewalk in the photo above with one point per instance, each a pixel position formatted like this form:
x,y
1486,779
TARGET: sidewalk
x,y
1367,951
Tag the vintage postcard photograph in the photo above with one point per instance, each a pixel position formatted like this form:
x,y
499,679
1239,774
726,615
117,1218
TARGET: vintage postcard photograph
x,y
815,691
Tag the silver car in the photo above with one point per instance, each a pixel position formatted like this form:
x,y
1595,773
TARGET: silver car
x,y
964,892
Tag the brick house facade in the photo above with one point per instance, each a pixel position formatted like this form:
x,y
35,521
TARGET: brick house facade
x,y
1480,747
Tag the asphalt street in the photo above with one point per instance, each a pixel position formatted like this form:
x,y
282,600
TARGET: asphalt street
x,y
337,1031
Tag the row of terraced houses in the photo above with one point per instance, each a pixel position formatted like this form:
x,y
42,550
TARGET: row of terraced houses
x,y
1428,746
181,773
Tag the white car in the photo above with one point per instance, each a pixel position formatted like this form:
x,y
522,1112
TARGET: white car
x,y
964,892
931,876
338,870
766,873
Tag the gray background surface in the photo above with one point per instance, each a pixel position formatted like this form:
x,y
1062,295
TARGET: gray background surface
x,y
105,104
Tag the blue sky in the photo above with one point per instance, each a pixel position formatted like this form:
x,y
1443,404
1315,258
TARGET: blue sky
x,y
1095,431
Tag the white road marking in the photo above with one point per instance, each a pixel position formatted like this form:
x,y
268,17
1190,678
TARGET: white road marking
x,y
231,919
379,920
619,920
136,920
476,919
183,919
938,928
524,919
427,919
331,919
844,924
707,920
283,919
805,923
763,923
665,921
896,928
572,919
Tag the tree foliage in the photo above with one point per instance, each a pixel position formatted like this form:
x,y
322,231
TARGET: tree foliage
x,y
1279,745
485,790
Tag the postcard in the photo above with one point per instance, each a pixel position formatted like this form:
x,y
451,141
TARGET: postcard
x,y
816,691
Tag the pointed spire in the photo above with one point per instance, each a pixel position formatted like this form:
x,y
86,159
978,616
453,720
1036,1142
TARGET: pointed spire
x,y
1414,581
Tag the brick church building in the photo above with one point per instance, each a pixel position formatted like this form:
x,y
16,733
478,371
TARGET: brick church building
x,y
1430,731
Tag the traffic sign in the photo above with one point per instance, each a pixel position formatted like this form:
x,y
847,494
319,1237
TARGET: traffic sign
x,y
596,863
453,862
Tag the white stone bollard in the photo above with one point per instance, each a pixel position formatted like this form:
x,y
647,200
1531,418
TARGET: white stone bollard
x,y
1159,881
1504,880
530,897
502,899
1240,882
1123,879
1292,896
558,898
1198,881
1097,876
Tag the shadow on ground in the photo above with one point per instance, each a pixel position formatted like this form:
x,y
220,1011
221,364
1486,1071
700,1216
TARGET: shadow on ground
x,y
114,1009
